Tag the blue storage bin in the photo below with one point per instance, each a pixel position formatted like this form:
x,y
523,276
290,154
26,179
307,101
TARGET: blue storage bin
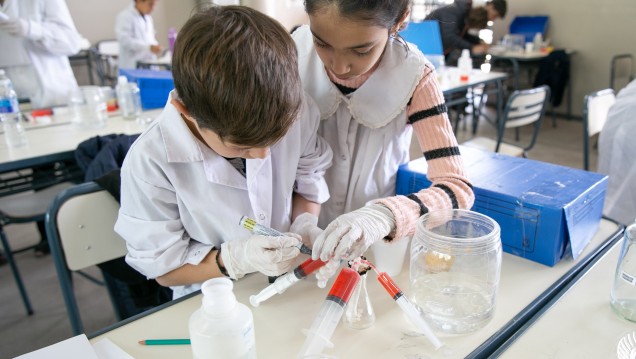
x,y
545,211
154,86
528,26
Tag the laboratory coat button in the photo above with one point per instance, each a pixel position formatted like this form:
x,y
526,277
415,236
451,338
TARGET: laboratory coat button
x,y
344,158
261,217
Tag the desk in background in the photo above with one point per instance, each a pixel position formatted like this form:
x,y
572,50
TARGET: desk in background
x,y
524,288
578,322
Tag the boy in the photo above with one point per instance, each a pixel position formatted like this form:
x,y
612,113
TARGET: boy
x,y
237,137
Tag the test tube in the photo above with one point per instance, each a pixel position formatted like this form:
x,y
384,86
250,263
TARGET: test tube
x,y
256,228
411,312
331,311
285,281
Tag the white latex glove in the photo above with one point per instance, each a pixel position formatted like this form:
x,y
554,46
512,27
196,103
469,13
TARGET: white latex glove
x,y
306,225
327,271
15,26
271,256
349,235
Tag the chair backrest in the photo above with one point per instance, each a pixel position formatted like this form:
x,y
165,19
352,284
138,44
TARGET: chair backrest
x,y
79,225
524,107
621,71
427,37
104,56
596,106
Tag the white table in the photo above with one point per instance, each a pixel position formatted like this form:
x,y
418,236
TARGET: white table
x,y
58,140
524,287
579,322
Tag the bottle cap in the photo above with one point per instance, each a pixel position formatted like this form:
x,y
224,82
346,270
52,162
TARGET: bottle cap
x,y
465,53
121,80
2,72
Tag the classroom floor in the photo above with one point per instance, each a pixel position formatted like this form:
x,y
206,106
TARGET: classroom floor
x,y
20,333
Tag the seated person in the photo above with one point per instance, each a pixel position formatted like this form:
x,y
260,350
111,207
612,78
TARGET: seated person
x,y
457,19
237,137
616,149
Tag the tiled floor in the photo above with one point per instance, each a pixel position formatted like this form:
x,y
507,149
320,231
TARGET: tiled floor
x,y
20,333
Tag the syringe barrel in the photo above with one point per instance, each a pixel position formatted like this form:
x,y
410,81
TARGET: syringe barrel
x,y
331,311
416,318
307,267
281,284
389,285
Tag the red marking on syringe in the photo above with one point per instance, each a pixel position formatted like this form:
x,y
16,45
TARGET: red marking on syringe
x,y
307,267
344,285
389,285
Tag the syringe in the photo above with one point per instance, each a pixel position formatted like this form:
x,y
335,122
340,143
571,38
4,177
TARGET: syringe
x,y
285,281
319,335
256,228
411,312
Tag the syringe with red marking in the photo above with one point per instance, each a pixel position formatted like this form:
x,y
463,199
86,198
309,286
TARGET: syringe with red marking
x,y
331,311
285,281
411,312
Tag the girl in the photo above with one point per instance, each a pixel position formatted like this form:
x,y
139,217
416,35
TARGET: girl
x,y
373,90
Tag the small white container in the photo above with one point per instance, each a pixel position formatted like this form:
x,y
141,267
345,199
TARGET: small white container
x,y
222,327
128,98
14,134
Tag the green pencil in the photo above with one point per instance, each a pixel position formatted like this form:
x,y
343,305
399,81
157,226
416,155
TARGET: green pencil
x,y
165,342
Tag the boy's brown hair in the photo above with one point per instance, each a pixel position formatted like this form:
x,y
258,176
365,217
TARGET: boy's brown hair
x,y
235,70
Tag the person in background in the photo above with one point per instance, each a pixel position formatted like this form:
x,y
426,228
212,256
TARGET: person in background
x,y
36,38
237,137
135,32
616,148
457,19
373,91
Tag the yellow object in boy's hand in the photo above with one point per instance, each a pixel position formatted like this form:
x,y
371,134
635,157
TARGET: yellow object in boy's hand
x,y
438,262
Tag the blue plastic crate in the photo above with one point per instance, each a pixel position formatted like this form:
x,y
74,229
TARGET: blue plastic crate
x,y
154,86
528,26
545,211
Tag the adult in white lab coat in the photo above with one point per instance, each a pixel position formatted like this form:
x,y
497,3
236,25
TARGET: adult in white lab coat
x,y
136,34
36,38
616,149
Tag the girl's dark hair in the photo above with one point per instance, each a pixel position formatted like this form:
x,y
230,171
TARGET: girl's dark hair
x,y
385,13
235,70
477,18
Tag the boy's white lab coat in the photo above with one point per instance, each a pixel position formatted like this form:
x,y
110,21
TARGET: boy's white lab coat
x,y
51,23
135,34
367,130
179,199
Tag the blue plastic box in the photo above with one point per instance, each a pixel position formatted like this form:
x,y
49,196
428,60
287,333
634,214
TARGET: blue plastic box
x,y
154,86
545,211
528,26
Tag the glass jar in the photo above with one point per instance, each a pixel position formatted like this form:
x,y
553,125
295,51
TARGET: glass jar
x,y
455,269
623,294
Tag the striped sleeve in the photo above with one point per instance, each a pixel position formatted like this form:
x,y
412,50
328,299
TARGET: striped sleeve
x,y
450,187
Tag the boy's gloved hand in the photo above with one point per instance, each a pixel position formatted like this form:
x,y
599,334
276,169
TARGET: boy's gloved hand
x,y
271,256
349,235
15,26
306,225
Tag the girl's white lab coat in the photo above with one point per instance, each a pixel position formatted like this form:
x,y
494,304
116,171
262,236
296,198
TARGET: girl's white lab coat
x,y
44,60
135,34
179,199
367,130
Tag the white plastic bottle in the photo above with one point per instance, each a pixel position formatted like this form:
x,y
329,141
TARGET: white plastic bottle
x,y
222,327
128,98
465,65
537,41
8,97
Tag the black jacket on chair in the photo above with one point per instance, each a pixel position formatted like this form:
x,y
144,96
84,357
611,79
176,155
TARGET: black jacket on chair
x,y
554,71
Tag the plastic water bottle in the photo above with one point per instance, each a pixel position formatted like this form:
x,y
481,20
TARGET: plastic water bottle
x,y
8,97
465,65
623,295
172,37
10,115
128,98
222,327
537,42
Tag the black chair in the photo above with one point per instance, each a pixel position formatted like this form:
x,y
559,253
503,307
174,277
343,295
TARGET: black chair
x,y
104,56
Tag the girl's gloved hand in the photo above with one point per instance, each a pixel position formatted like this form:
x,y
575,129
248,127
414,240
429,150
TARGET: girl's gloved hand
x,y
306,225
349,235
269,255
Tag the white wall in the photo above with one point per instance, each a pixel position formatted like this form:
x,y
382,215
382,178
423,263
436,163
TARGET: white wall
x,y
596,30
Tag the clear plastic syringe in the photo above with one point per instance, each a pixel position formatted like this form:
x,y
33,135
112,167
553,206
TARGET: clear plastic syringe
x,y
331,311
285,281
411,312
256,228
